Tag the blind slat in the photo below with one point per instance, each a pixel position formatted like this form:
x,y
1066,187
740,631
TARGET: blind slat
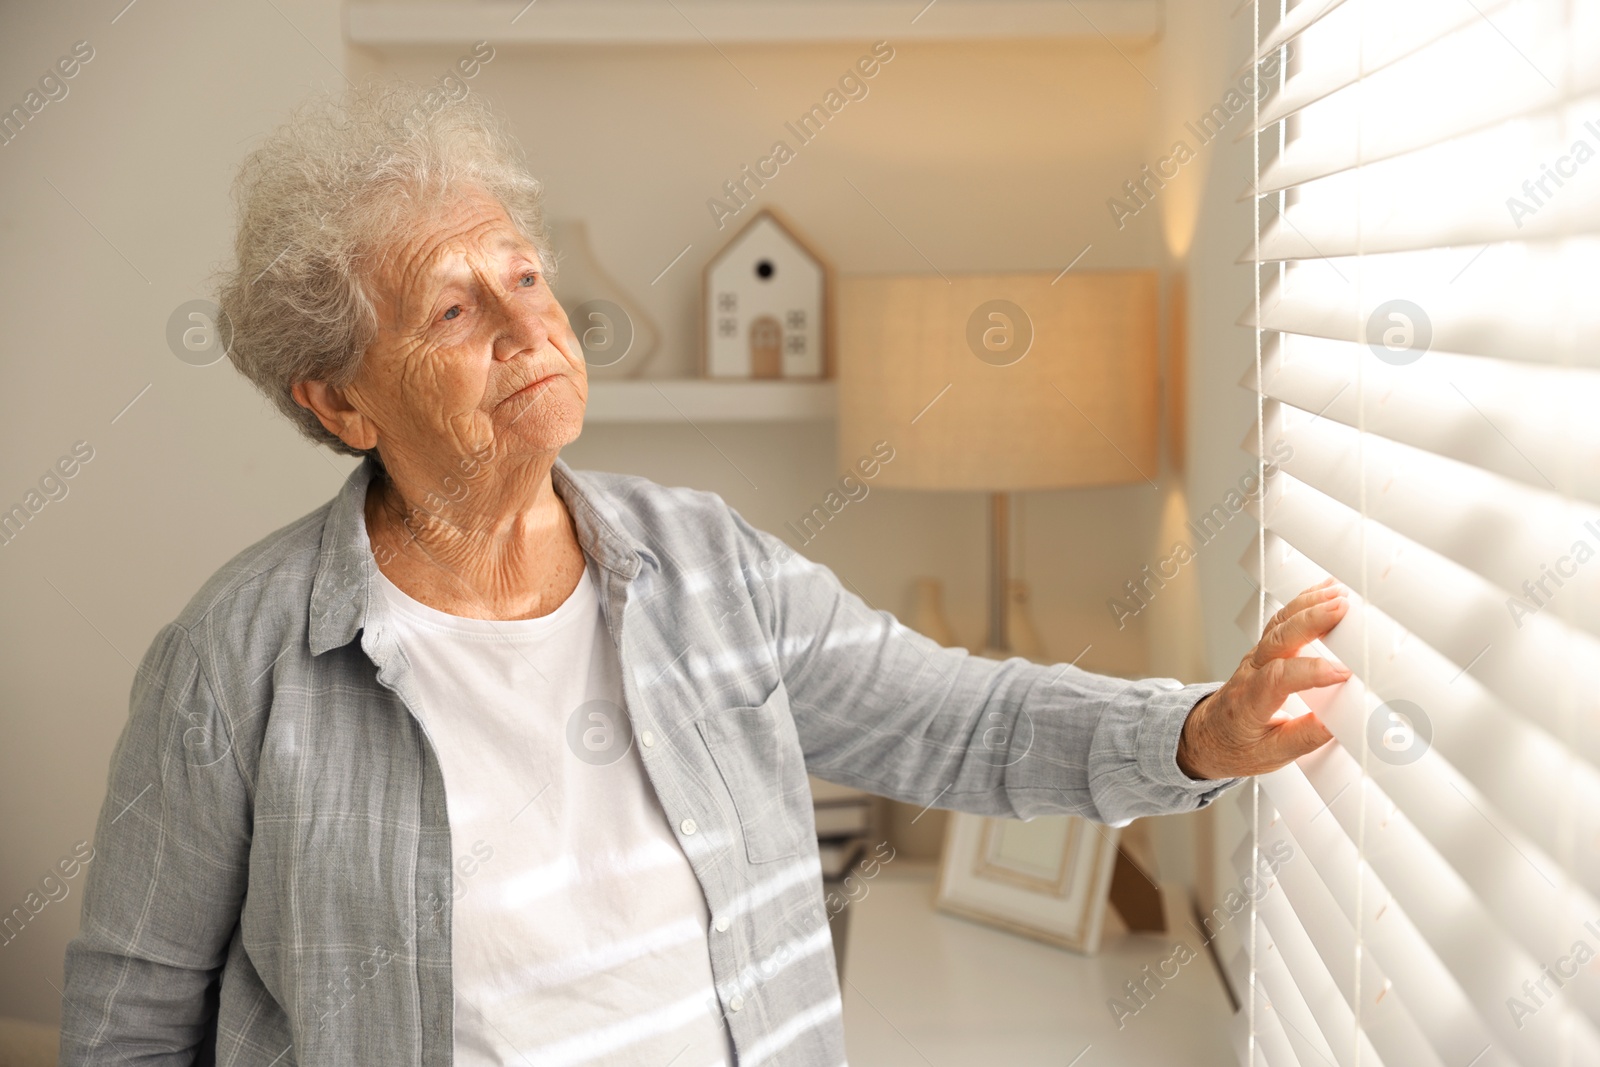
x,y
1451,609
1303,1023
1480,738
1358,37
1439,928
1491,911
1505,531
1319,950
1298,19
1495,301
1458,192
1295,983
1389,1034
1445,1015
1427,372
1483,412
1408,105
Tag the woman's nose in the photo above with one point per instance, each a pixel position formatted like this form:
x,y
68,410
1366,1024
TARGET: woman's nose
x,y
522,328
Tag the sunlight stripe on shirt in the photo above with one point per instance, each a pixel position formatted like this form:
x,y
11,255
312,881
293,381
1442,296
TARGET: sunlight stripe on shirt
x,y
803,871
565,873
606,957
601,1041
790,1029
764,970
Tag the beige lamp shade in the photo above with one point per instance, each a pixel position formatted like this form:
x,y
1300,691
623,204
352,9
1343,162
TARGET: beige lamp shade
x,y
1000,382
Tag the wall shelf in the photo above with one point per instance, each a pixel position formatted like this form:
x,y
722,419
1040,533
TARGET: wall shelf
x,y
643,22
696,400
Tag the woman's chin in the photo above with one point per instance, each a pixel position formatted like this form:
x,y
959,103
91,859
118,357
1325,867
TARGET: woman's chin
x,y
548,420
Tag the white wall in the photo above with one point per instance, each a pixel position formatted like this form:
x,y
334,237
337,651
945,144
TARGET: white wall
x,y
986,158
142,148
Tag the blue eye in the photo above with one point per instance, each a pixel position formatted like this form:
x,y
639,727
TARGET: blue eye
x,y
530,279
453,312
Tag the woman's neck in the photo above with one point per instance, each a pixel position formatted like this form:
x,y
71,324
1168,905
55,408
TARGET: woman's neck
x,y
481,539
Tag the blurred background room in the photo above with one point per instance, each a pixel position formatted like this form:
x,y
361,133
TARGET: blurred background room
x,y
961,181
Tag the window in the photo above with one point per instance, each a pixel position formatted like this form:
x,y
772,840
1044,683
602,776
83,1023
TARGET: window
x,y
1428,379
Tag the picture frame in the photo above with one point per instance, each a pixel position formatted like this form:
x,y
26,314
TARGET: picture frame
x,y
1047,878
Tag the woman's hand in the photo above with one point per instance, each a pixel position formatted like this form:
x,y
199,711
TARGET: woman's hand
x,y
1232,732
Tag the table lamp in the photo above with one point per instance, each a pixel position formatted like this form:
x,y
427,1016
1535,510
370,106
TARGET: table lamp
x,y
1000,383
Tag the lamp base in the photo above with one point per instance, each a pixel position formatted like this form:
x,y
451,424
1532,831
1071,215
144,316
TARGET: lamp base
x,y
1021,638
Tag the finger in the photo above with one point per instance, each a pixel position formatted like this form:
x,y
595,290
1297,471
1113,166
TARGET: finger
x,y
1299,630
1282,678
1313,594
1294,738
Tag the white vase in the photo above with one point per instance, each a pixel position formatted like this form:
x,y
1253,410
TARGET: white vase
x,y
618,338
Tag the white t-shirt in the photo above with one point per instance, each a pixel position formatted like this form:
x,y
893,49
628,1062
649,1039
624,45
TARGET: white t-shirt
x,y
580,930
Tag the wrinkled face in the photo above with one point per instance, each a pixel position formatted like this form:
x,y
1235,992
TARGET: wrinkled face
x,y
473,352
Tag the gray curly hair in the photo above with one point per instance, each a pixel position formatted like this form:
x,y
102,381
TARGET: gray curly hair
x,y
319,201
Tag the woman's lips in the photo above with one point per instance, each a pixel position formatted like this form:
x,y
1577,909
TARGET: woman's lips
x,y
535,385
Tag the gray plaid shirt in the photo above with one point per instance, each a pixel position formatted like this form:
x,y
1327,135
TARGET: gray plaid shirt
x,y
273,859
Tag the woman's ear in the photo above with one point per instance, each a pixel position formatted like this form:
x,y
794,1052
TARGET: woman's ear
x,y
337,415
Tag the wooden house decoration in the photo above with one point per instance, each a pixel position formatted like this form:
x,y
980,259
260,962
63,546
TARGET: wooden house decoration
x,y
766,305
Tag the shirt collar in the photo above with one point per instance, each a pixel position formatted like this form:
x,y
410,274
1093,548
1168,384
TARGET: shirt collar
x,y
343,583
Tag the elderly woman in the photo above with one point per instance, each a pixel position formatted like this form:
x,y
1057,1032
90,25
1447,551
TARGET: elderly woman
x,y
491,761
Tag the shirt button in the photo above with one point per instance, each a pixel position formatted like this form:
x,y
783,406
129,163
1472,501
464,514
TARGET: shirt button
x,y
735,1002
722,923
688,826
648,738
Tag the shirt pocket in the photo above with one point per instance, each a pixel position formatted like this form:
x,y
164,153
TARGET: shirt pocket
x,y
757,753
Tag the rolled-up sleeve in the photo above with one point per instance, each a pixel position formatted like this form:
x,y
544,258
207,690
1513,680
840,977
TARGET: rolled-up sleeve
x,y
880,707
167,880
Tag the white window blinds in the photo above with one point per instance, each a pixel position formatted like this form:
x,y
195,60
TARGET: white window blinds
x,y
1427,370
